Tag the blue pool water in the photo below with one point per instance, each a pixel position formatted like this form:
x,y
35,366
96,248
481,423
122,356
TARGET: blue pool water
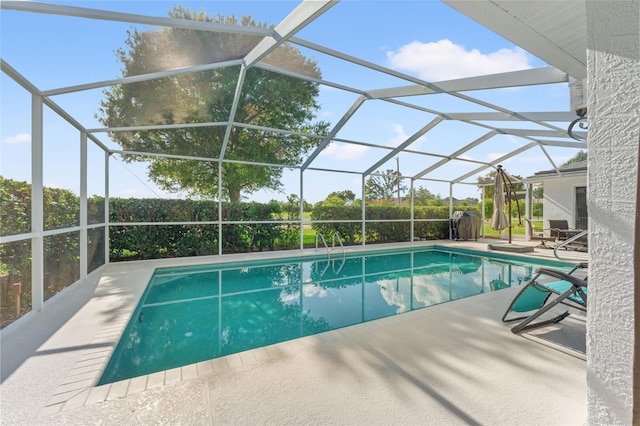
x,y
192,314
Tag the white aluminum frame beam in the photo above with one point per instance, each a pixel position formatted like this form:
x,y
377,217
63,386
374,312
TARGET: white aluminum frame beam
x,y
156,127
432,86
31,88
535,76
299,20
554,116
314,9
545,133
352,110
232,114
498,161
564,144
305,13
454,156
553,164
272,68
104,15
141,77
404,144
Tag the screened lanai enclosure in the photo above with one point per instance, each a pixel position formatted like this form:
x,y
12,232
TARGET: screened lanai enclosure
x,y
141,130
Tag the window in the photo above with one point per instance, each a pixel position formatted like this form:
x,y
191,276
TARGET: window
x,y
581,217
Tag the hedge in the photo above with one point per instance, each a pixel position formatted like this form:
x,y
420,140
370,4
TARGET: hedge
x,y
159,241
381,230
61,251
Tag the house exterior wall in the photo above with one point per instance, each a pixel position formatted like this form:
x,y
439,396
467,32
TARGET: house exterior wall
x,y
613,65
560,199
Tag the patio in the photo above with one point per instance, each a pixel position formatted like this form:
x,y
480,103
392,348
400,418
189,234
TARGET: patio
x,y
454,363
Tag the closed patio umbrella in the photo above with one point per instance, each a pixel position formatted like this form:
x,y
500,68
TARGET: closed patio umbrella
x,y
499,220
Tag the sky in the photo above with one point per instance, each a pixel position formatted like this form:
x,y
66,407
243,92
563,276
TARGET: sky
x,y
424,39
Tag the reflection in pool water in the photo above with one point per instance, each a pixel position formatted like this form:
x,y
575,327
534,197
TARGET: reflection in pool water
x,y
192,314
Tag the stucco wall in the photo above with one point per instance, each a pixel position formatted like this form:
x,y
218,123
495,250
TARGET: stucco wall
x,y
560,199
613,62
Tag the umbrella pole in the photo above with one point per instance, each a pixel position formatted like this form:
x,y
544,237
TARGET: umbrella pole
x,y
509,217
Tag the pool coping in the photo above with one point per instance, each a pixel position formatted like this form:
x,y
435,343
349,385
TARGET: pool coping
x,y
79,386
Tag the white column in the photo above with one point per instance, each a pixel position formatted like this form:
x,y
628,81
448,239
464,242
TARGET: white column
x,y
83,205
219,208
528,209
37,204
301,211
613,64
411,232
483,215
107,245
450,209
364,211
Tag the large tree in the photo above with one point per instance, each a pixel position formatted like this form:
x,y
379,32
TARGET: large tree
x,y
268,99
386,186
423,197
347,195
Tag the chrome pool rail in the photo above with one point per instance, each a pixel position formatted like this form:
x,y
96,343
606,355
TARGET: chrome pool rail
x,y
567,242
319,235
333,241
335,236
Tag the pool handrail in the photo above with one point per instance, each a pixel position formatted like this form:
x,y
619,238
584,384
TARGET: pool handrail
x,y
319,235
567,242
333,241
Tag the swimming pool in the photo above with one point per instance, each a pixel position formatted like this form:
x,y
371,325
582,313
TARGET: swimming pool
x,y
191,314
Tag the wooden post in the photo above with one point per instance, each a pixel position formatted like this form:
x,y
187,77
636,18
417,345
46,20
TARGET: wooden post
x,y
4,287
16,297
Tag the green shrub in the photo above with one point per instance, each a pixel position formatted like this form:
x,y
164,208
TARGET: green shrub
x,y
160,241
383,229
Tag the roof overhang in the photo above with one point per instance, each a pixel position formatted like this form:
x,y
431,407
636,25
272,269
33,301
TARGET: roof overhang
x,y
554,31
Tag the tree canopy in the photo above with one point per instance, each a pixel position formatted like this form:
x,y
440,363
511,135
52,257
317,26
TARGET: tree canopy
x,y
267,99
423,196
580,156
347,196
386,186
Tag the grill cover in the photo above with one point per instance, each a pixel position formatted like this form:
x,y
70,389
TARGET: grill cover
x,y
465,225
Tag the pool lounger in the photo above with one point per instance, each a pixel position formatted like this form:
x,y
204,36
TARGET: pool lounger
x,y
540,297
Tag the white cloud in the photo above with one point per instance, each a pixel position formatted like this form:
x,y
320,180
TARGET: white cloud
x,y
445,60
342,151
313,290
16,139
400,136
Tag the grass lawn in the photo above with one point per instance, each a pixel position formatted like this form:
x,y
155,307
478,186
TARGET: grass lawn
x,y
308,236
515,230
283,215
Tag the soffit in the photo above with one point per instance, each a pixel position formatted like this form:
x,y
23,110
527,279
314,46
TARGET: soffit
x,y
554,31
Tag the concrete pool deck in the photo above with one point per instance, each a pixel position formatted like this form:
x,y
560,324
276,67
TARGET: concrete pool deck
x,y
454,363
